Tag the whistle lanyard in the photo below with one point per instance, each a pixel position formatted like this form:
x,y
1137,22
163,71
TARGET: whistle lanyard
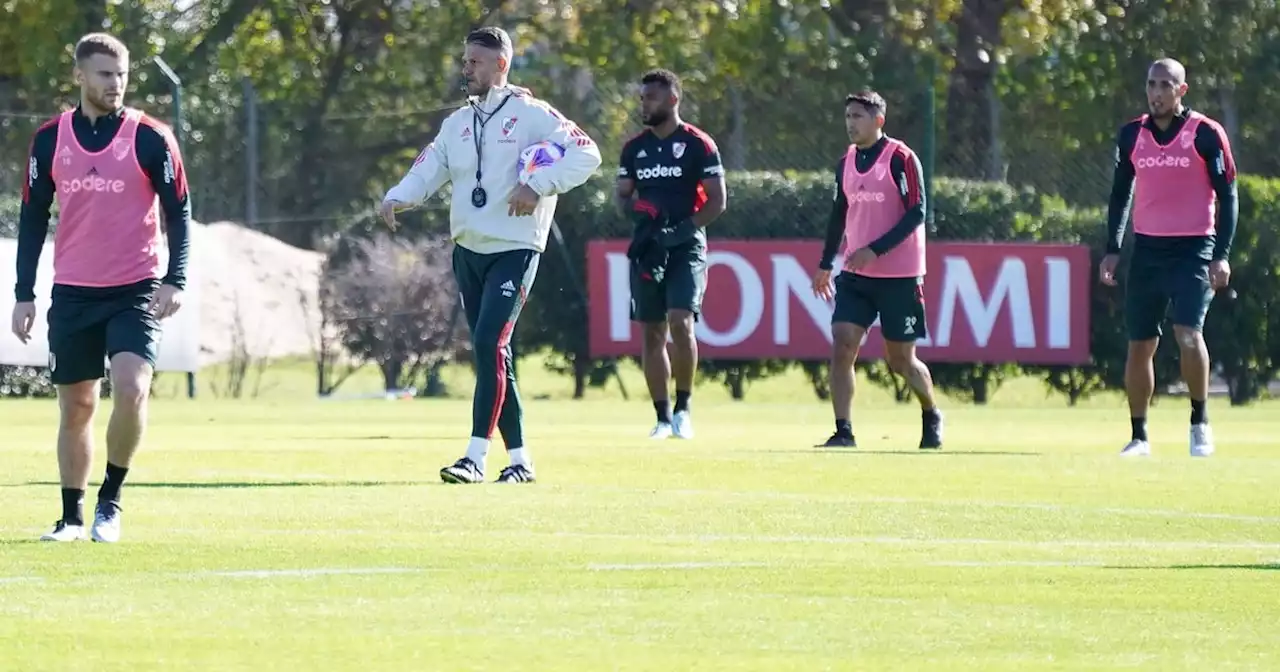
x,y
478,122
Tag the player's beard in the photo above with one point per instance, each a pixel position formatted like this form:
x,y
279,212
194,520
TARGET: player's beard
x,y
106,104
657,118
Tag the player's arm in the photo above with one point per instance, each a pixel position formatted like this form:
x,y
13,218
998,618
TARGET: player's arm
x,y
712,176
1213,146
904,166
581,154
625,188
429,172
33,218
1122,179
835,223
161,160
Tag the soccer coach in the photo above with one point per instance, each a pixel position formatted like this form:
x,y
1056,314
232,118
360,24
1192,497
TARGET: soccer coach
x,y
499,228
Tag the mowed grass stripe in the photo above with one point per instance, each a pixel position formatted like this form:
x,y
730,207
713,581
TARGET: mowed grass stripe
x,y
301,535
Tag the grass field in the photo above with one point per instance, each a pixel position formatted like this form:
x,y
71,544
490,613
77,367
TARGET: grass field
x,y
290,533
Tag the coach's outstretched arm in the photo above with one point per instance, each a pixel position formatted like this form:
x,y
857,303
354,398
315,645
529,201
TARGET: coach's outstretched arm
x,y
429,172
581,154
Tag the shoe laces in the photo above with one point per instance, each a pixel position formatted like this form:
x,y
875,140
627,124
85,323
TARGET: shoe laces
x,y
107,511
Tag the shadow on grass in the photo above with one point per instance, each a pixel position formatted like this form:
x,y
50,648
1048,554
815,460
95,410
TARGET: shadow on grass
x,y
231,485
907,453
377,437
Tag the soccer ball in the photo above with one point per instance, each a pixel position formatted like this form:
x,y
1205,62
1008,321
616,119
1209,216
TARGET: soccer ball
x,y
535,157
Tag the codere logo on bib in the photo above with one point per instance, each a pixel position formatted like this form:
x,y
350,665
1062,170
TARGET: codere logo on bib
x,y
91,183
868,197
1163,162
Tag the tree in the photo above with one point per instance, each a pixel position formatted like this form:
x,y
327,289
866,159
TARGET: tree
x,y
392,304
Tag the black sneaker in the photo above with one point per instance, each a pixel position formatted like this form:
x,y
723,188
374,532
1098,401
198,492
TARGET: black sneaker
x,y
462,471
839,440
516,473
931,432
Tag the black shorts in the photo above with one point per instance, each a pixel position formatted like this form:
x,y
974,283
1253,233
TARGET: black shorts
x,y
89,325
682,287
1158,282
898,302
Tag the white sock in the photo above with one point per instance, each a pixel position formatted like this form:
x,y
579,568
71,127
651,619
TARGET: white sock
x,y
520,456
477,450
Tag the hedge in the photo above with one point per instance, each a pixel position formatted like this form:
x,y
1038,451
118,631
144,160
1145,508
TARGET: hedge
x,y
1243,332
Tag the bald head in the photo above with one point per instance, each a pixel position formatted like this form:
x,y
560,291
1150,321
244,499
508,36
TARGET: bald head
x,y
1166,85
1170,69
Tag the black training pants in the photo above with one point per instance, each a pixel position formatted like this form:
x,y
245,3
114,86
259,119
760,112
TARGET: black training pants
x,y
494,288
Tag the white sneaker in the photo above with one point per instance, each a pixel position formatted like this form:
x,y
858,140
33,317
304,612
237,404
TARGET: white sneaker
x,y
1201,440
682,425
1136,448
662,430
63,532
106,523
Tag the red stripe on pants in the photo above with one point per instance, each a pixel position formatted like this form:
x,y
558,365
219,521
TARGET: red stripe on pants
x,y
504,337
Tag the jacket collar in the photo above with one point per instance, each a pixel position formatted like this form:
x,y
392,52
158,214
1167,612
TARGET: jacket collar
x,y
490,101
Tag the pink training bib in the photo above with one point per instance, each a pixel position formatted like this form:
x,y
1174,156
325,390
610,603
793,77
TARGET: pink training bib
x,y
1172,194
108,231
875,206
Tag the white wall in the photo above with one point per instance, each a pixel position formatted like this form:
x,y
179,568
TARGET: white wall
x,y
180,338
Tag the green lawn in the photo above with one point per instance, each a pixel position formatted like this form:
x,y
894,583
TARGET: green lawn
x,y
289,533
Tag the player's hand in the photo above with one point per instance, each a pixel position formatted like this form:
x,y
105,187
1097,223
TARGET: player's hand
x,y
1219,273
680,233
861,257
523,202
166,302
822,285
1107,269
388,211
24,318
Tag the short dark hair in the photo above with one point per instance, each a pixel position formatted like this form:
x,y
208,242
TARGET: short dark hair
x,y
491,37
664,77
100,43
869,100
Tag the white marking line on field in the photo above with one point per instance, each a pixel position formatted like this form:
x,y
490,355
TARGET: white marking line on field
x,y
305,573
955,503
20,579
649,566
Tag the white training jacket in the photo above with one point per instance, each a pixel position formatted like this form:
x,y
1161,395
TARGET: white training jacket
x,y
521,121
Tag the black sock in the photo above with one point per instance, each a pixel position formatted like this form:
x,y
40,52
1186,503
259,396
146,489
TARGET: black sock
x,y
1199,414
1139,428
682,401
844,427
110,490
73,506
930,414
664,410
